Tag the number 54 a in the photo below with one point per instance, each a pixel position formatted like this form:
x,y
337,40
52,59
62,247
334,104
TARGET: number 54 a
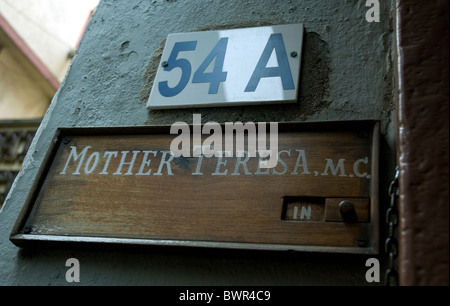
x,y
218,76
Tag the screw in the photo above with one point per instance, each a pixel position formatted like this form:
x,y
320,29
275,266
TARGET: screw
x,y
294,54
27,229
361,242
165,64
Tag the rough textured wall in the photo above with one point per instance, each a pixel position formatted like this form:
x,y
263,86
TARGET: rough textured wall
x,y
346,75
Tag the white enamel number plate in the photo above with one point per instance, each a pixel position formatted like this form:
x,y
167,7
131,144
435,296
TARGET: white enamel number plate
x,y
230,67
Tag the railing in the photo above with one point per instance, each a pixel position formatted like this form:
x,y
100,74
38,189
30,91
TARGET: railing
x,y
15,140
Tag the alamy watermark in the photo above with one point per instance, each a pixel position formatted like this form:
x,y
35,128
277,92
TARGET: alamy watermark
x,y
73,273
373,273
234,143
373,14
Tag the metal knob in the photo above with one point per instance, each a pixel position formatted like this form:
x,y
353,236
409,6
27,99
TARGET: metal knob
x,y
348,212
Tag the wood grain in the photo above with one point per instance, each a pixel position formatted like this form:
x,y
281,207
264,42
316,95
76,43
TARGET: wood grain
x,y
228,202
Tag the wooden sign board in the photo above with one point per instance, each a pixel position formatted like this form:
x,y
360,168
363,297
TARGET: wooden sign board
x,y
122,185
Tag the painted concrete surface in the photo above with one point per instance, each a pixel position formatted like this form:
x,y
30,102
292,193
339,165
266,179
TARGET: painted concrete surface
x,y
347,75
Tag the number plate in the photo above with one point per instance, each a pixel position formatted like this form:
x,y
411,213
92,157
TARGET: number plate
x,y
227,68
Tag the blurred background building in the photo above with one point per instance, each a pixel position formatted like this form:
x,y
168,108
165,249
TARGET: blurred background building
x,y
38,40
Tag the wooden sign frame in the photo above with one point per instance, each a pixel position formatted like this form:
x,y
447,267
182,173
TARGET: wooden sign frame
x,y
322,196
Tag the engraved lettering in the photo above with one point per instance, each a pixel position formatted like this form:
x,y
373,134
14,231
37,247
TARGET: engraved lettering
x,y
73,154
165,162
109,154
146,163
301,162
243,163
87,169
122,162
334,170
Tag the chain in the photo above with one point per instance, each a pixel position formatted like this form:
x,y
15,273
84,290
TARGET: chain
x,y
391,244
